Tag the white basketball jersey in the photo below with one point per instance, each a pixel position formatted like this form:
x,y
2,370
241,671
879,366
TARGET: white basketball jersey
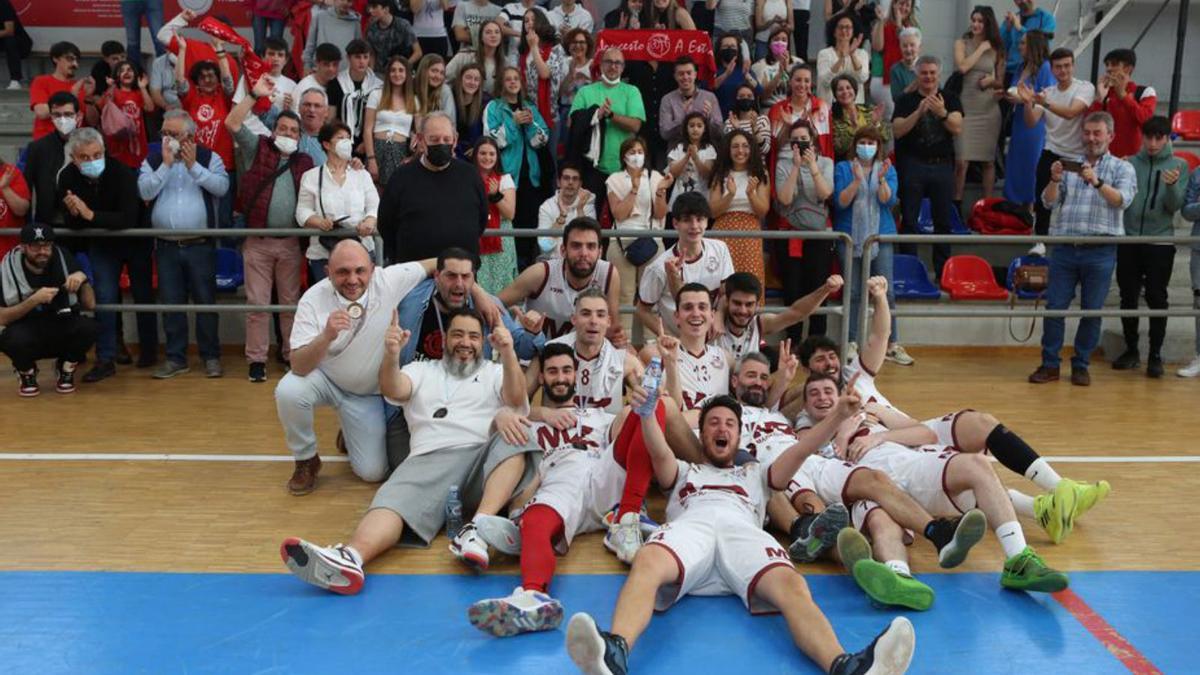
x,y
588,439
555,300
702,377
765,433
740,491
599,382
865,385
750,340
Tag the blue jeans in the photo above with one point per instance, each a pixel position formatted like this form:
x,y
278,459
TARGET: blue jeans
x,y
132,12
188,272
107,259
1194,268
881,266
265,27
1091,269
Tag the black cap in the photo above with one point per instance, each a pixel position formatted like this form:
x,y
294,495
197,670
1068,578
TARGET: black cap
x,y
33,233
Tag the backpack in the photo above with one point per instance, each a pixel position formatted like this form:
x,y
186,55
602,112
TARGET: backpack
x,y
999,216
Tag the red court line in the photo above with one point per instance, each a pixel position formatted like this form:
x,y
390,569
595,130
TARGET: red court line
x,y
1108,636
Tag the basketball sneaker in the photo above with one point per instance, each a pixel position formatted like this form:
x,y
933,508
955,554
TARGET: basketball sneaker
x,y
522,612
648,526
27,384
335,568
596,652
1056,510
624,538
888,587
499,532
468,547
852,547
954,537
888,654
1026,571
820,535
1088,495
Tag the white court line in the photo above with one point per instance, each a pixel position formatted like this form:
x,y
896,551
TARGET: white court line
x,y
171,457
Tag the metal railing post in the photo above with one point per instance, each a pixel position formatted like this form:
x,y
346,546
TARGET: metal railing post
x,y
864,305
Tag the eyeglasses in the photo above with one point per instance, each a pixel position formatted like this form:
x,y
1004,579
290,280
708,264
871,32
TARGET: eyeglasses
x,y
612,62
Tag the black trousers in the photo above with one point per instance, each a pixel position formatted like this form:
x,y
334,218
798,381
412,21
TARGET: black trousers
x,y
801,276
1148,267
800,32
1041,223
919,180
12,53
67,337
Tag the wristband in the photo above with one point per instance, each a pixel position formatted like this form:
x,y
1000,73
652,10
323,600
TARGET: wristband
x,y
496,197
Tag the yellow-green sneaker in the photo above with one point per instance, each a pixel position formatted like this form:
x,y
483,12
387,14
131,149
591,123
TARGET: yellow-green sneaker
x,y
888,587
852,546
1088,495
1026,571
1056,511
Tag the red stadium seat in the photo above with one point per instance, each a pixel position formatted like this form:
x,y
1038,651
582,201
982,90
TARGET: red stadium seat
x,y
1186,124
1189,157
969,277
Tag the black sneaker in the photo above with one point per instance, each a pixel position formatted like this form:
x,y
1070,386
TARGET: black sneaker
x,y
66,378
890,652
954,537
102,370
597,652
123,356
1154,367
816,534
1128,361
258,372
27,384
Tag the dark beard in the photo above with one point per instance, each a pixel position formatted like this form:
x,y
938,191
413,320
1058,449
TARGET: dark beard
x,y
584,274
754,397
549,395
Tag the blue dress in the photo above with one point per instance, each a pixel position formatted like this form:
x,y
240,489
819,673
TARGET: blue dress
x,y
1025,147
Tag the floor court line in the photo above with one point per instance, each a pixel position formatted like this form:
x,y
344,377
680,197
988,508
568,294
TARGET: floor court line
x,y
1108,636
202,457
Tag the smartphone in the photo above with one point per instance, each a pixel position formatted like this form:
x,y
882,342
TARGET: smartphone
x,y
801,146
1071,165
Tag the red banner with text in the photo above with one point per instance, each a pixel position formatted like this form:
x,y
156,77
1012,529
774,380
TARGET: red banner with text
x,y
661,45
107,13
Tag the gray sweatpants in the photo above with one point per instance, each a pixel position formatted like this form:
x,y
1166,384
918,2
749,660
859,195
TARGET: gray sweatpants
x,y
361,418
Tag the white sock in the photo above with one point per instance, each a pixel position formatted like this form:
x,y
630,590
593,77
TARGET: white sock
x,y
1012,538
899,567
358,559
1022,502
1042,474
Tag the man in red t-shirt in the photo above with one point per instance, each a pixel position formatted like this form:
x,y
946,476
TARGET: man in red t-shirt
x,y
206,92
14,203
65,57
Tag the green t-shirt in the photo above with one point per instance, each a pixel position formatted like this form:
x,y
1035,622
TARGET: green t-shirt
x,y
627,102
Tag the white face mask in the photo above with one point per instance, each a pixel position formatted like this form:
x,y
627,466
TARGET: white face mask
x,y
344,148
286,145
65,125
635,160
173,144
613,82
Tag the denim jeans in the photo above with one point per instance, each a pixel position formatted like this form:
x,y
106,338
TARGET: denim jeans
x,y
132,12
881,266
188,272
1090,268
1194,268
265,27
108,257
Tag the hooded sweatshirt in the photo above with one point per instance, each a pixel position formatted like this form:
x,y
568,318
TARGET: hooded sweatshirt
x,y
1154,206
329,26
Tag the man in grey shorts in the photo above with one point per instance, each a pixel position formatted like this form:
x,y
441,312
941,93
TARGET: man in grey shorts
x,y
450,406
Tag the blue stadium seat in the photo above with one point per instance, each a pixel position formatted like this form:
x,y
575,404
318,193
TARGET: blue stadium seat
x,y
911,279
1012,271
230,274
925,221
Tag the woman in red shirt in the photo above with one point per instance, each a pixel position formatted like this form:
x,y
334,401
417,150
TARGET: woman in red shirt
x,y
129,91
207,94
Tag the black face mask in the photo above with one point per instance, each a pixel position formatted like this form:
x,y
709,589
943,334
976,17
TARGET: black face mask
x,y
743,105
728,54
438,155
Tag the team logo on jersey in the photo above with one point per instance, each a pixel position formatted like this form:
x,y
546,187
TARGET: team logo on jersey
x,y
550,439
204,113
711,264
132,109
717,360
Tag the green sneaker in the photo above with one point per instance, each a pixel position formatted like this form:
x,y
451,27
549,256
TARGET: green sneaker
x,y
1026,571
1088,495
885,586
852,546
1056,511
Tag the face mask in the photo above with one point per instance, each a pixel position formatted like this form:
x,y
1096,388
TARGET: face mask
x,y
172,145
613,82
438,155
743,105
344,148
779,48
286,145
65,125
635,160
92,168
866,151
728,54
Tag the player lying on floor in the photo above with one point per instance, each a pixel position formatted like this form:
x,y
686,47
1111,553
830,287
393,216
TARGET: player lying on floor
x,y
967,431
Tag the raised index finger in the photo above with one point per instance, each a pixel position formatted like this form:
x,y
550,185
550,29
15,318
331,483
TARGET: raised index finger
x,y
396,317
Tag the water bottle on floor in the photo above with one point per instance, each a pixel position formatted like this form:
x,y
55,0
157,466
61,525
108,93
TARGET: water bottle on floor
x,y
454,521
651,381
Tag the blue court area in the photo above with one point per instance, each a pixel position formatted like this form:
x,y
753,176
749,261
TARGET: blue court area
x,y
85,622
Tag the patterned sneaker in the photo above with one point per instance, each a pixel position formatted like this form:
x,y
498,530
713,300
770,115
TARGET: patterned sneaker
x,y
469,548
500,533
334,568
898,356
522,612
647,524
1055,511
625,538
66,378
27,384
1088,495
821,534
888,654
1026,571
596,652
888,587
963,532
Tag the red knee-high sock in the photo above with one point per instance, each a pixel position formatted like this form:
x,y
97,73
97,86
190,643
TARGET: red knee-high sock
x,y
631,453
539,525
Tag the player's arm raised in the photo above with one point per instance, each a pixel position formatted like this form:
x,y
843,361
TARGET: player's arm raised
x,y
666,468
788,364
788,463
531,376
802,308
529,280
394,384
871,356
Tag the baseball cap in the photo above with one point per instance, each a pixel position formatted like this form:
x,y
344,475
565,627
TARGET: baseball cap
x,y
33,233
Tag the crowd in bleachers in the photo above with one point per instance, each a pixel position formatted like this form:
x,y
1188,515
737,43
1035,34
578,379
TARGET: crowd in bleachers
x,y
547,120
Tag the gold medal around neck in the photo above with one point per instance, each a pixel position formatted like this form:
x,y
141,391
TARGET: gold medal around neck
x,y
355,310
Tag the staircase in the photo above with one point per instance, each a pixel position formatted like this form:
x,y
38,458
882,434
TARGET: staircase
x,y
1087,27
16,122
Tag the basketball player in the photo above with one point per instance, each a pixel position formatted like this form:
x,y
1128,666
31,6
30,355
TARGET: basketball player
x,y
714,544
550,287
944,482
746,329
966,431
692,260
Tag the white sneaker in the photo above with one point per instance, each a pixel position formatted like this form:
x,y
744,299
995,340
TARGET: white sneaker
x,y
469,548
1038,249
336,568
500,533
898,356
14,85
522,612
625,537
1190,370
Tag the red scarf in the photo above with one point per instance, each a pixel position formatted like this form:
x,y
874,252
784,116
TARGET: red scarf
x,y
544,97
488,245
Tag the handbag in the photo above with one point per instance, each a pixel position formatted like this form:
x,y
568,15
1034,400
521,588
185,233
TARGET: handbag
x,y
114,122
954,83
640,252
1031,279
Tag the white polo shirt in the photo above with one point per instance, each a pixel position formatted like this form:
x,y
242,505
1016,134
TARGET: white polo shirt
x,y
470,403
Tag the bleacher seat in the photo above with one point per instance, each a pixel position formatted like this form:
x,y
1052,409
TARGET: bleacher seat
x,y
925,220
1186,125
125,283
1190,157
85,264
1012,271
969,277
911,279
230,274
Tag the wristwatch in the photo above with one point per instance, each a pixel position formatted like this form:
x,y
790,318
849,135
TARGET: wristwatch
x,y
1098,184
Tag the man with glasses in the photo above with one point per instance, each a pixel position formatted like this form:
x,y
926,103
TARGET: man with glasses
x,y
46,157
618,109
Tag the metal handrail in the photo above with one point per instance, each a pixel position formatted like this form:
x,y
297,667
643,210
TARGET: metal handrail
x,y
987,312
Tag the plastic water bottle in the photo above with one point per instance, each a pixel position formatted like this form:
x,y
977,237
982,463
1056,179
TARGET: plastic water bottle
x,y
651,381
454,521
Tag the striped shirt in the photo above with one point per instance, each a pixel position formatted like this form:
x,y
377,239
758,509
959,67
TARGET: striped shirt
x,y
1081,210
